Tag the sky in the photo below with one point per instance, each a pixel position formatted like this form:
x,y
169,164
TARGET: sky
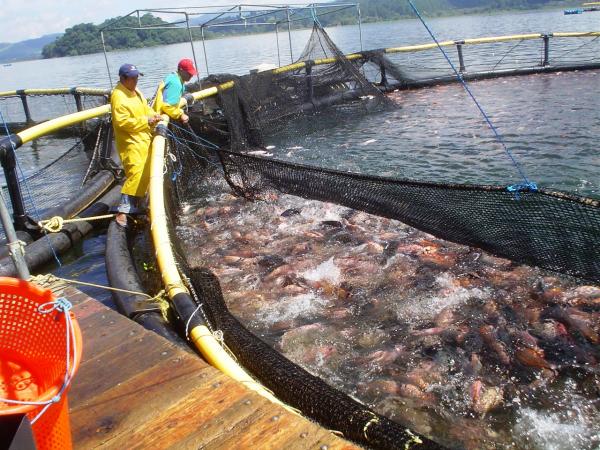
x,y
28,19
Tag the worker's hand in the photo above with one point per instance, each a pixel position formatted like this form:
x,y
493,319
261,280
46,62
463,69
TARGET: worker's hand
x,y
153,120
185,118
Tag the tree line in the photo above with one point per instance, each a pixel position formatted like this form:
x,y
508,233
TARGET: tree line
x,y
84,38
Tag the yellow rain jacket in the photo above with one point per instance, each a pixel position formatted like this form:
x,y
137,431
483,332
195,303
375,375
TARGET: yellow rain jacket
x,y
133,135
168,96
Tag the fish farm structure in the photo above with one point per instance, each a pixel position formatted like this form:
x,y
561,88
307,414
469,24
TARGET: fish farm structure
x,y
228,237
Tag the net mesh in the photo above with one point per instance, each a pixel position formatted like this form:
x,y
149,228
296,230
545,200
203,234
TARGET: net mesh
x,y
548,229
42,108
60,180
264,100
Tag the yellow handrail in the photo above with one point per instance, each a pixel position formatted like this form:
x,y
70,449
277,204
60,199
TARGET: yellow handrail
x,y
49,126
200,335
56,91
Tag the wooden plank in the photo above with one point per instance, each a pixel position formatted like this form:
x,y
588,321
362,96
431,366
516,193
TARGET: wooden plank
x,y
111,417
208,406
136,353
134,389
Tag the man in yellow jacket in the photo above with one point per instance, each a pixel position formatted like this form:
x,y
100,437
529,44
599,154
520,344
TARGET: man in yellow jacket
x,y
170,90
132,121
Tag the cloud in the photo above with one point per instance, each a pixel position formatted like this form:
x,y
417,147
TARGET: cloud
x,y
28,19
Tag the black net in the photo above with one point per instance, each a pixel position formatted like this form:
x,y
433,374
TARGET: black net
x,y
552,230
265,100
547,229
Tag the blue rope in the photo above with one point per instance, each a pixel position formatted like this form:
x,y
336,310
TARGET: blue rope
x,y
64,306
181,141
24,182
527,185
205,142
523,187
314,16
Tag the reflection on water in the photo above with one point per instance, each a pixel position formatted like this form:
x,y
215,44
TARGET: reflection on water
x,y
549,122
472,350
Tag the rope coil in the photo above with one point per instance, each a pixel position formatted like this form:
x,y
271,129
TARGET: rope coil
x,y
18,245
56,223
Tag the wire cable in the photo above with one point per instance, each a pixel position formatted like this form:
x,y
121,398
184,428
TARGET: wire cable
x,y
527,185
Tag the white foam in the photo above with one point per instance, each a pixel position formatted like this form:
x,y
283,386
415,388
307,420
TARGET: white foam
x,y
553,431
326,271
449,295
303,305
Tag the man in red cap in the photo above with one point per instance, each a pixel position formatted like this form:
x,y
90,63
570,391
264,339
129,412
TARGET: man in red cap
x,y
170,90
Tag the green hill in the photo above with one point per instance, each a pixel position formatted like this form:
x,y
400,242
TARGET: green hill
x,y
29,49
85,38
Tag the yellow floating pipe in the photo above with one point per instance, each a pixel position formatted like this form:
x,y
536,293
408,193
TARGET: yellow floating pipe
x,y
577,34
200,335
205,93
209,92
56,91
417,48
60,122
350,57
513,37
289,68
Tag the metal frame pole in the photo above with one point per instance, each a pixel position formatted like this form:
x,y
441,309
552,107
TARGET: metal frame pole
x,y
187,24
546,50
277,37
106,59
15,249
290,34
204,48
461,59
23,96
359,27
9,164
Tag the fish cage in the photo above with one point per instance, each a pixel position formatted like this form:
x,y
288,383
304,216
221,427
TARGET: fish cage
x,y
26,107
75,181
224,269
380,256
196,21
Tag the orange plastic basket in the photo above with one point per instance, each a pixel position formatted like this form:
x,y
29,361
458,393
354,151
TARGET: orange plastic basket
x,y
33,360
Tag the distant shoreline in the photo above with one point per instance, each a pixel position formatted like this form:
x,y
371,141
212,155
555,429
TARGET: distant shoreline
x,y
558,6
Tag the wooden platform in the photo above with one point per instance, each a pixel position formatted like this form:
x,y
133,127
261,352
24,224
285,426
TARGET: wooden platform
x,y
134,389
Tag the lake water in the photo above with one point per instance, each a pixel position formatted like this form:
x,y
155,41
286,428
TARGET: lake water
x,y
550,121
238,54
562,135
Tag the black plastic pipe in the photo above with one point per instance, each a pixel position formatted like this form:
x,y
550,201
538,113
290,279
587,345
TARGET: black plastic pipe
x,y
8,145
40,252
122,274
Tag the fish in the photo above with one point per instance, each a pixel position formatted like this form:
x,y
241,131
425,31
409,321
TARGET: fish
x,y
489,336
532,357
368,141
485,398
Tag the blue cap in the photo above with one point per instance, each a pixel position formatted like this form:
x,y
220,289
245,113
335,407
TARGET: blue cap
x,y
129,71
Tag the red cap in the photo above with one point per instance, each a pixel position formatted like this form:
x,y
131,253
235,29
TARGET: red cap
x,y
188,66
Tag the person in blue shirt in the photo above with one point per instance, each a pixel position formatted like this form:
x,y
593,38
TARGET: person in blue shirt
x,y
168,96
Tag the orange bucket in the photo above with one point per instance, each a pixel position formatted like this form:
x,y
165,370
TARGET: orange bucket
x,y
33,360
